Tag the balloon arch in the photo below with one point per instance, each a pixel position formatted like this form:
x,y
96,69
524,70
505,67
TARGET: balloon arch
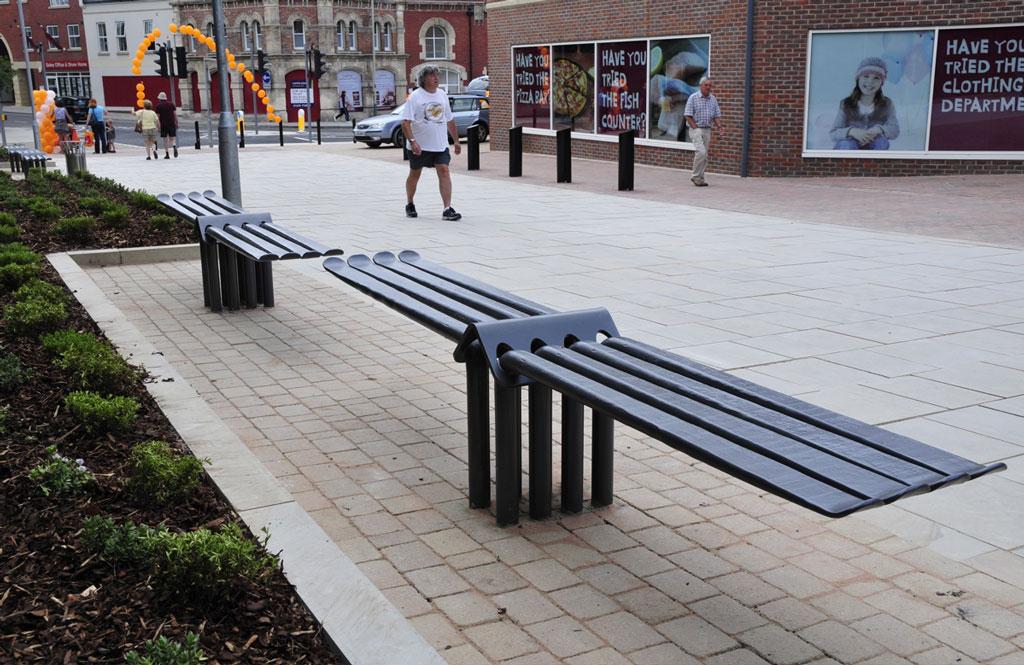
x,y
44,99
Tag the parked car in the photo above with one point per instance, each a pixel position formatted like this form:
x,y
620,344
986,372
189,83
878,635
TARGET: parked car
x,y
481,86
387,128
77,107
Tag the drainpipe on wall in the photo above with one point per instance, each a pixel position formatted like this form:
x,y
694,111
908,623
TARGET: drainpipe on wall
x,y
747,93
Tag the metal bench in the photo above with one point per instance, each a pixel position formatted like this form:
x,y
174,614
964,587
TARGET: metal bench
x,y
23,159
237,248
819,459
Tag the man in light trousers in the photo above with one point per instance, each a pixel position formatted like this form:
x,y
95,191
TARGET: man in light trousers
x,y
702,114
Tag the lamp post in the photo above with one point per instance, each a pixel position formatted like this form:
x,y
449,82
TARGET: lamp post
x,y
227,147
373,54
28,71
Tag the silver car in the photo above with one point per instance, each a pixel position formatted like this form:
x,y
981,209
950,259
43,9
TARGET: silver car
x,y
387,128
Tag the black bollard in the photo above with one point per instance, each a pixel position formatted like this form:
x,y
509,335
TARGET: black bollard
x,y
318,132
473,148
563,142
198,144
627,158
280,133
241,133
515,152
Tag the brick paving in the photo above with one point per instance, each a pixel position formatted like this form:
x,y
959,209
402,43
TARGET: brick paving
x,y
361,414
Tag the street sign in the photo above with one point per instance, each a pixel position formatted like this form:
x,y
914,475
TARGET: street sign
x,y
266,79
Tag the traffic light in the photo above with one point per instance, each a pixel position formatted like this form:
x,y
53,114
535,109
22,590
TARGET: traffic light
x,y
261,61
180,63
162,62
319,66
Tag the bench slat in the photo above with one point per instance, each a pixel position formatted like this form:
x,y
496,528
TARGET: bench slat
x,y
245,234
293,249
747,465
216,205
239,245
213,196
176,207
313,245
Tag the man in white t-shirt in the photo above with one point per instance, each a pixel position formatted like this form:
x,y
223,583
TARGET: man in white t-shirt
x,y
427,122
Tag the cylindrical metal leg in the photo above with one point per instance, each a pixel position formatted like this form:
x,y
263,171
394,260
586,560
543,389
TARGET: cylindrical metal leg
x,y
572,455
203,265
250,283
268,284
602,458
214,276
508,444
259,282
479,424
540,451
229,277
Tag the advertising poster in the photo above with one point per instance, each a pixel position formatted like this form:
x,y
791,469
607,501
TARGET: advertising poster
x,y
531,86
384,81
572,90
677,66
622,88
868,91
350,84
298,95
978,97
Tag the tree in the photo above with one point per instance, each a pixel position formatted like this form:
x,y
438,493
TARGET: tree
x,y
6,79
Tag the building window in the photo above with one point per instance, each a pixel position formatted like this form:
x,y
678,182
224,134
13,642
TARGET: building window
x,y
436,43
257,34
376,36
60,3
28,33
339,35
209,31
122,37
190,41
53,37
298,36
101,33
147,27
353,44
246,46
450,80
74,36
69,84
387,36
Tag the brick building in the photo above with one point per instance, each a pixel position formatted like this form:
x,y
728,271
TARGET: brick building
x,y
951,76
56,25
372,58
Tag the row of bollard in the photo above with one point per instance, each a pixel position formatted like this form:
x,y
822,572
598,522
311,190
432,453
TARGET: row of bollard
x,y
563,156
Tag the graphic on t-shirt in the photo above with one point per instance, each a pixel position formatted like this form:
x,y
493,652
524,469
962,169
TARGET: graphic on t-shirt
x,y
433,112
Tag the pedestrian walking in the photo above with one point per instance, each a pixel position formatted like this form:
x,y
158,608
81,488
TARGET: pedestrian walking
x,y
96,118
342,106
427,123
702,114
147,123
168,114
62,123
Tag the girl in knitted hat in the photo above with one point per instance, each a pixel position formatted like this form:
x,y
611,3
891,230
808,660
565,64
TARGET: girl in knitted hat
x,y
867,118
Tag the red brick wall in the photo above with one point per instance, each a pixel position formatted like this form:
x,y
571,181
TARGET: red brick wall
x,y
780,60
37,16
463,24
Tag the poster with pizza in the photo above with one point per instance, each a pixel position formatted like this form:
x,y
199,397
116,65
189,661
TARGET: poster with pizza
x,y
572,89
677,66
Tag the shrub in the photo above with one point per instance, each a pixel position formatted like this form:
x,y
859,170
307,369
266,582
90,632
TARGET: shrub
x,y
98,415
37,289
10,232
141,199
18,264
163,222
94,204
61,476
115,216
12,374
76,229
7,219
34,316
119,543
91,363
42,209
163,651
157,475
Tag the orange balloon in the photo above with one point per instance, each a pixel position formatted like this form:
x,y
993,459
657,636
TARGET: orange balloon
x,y
140,103
173,27
156,32
241,67
270,108
255,87
140,95
262,94
248,77
140,86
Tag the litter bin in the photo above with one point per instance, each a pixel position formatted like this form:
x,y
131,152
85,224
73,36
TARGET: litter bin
x,y
74,154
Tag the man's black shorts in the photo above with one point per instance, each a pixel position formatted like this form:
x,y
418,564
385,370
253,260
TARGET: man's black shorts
x,y
168,131
429,159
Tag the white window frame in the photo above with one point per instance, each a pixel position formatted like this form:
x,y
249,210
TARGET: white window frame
x,y
353,36
55,33
387,37
299,38
101,37
429,41
60,4
190,41
74,40
122,37
340,35
147,27
376,36
243,28
257,35
446,80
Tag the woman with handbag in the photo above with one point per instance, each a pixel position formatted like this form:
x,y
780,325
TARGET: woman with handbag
x,y
95,119
147,123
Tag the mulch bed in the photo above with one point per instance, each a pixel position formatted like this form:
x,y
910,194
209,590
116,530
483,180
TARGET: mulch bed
x,y
57,603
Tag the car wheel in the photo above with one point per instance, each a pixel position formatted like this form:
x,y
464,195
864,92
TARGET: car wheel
x,y
398,137
481,132
373,144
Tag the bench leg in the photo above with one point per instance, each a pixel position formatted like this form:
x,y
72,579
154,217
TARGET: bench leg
x,y
203,259
259,282
540,451
249,282
602,460
572,455
212,283
478,410
268,284
508,447
229,278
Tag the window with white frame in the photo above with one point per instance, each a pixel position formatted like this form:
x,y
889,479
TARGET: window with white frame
x,y
436,43
147,27
122,37
339,35
190,41
387,36
257,35
101,34
60,3
244,29
376,36
28,33
298,35
449,79
74,36
353,43
53,32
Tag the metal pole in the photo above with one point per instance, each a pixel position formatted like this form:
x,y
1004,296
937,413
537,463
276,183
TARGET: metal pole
x,y
255,108
28,72
748,75
373,54
230,183
42,64
209,107
171,62
309,95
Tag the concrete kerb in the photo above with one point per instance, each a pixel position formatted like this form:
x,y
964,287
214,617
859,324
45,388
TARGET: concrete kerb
x,y
355,616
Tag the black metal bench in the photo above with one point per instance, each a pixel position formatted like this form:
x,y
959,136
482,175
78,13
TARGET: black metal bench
x,y
819,459
237,248
23,159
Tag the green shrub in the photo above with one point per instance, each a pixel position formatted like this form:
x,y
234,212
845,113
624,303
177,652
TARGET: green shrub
x,y
120,544
115,216
97,414
157,475
18,264
91,363
60,476
12,374
145,200
76,229
163,651
94,204
34,316
10,232
7,219
42,209
163,222
37,289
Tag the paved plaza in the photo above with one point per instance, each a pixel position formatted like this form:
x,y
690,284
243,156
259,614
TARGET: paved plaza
x,y
360,414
